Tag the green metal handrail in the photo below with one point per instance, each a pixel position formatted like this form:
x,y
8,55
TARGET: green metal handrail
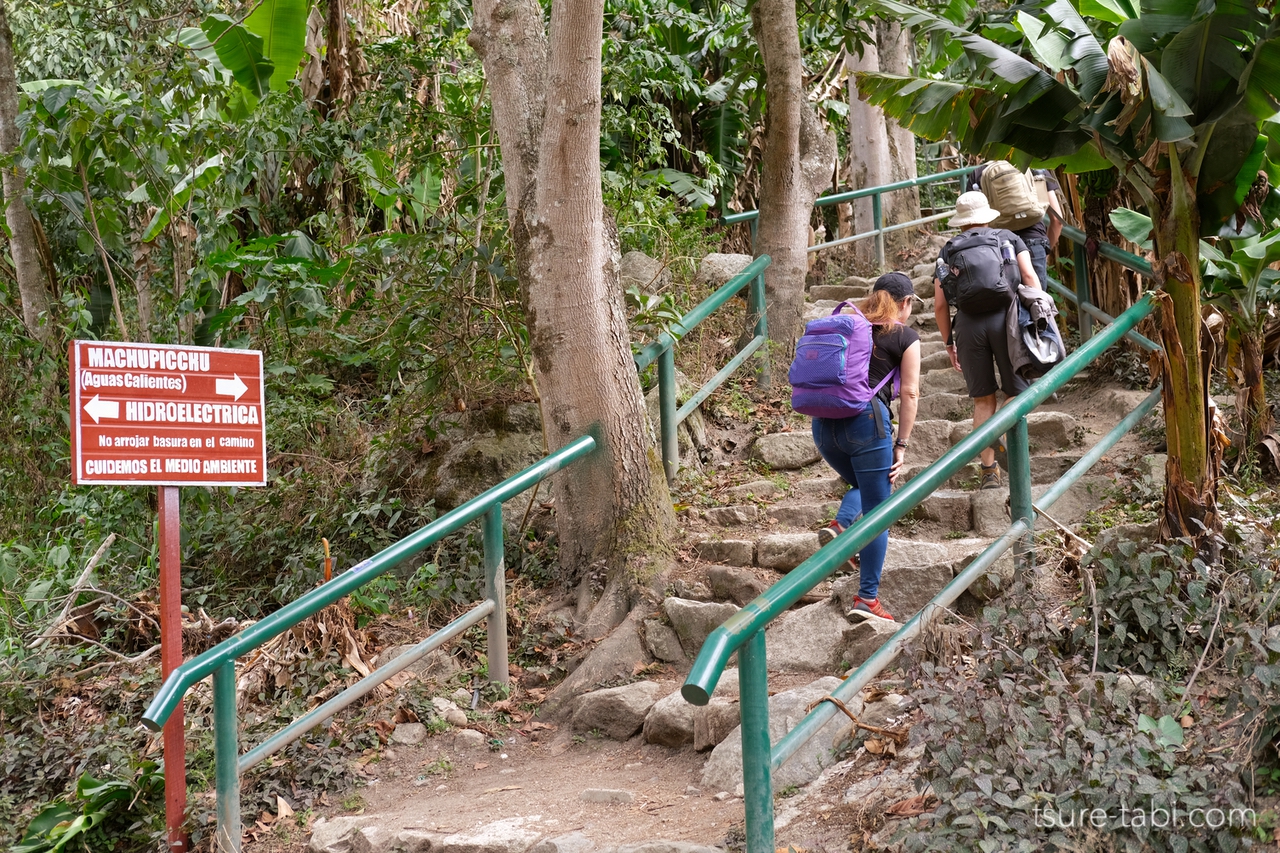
x,y
220,660
878,229
744,632
662,350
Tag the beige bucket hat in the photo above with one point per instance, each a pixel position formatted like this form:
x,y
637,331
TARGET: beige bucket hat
x,y
972,208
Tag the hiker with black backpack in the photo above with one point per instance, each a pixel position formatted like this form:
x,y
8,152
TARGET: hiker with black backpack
x,y
977,274
847,369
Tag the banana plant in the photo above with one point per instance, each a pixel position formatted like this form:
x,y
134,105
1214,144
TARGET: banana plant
x,y
261,52
1171,93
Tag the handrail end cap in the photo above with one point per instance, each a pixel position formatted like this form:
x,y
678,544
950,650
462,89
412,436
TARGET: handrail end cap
x,y
151,725
694,694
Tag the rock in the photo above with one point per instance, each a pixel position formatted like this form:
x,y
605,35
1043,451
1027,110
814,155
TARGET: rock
x,y
905,588
470,737
612,660
804,515
885,711
736,585
991,510
1153,465
574,842
713,722
837,292
372,839
694,620
1050,431
786,451
864,639
461,697
1108,541
810,639
929,440
759,489
503,836
691,590
949,508
923,284
456,717
443,705
733,552
728,516
946,407
416,841
1047,469
723,771
785,551
937,361
641,271
663,643
996,579
666,847
477,455
822,487
1085,494
908,552
691,434
670,721
334,835
606,795
409,733
864,283
883,789
716,268
943,380
618,712
436,664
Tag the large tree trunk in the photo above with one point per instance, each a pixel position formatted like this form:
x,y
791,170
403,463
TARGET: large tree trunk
x,y
894,52
613,510
798,162
22,233
1191,478
869,164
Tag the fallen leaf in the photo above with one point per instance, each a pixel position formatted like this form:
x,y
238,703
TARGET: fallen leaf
x,y
283,809
266,819
872,693
912,806
480,765
874,746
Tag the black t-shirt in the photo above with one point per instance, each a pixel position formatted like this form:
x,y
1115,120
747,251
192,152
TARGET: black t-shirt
x,y
886,354
1036,231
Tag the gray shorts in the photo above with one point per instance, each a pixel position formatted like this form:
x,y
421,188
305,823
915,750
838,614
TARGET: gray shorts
x,y
983,346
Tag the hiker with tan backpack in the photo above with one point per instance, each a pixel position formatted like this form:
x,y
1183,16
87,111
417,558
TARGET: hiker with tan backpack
x,y
1022,198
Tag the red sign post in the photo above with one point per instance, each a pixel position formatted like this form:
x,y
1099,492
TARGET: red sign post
x,y
168,416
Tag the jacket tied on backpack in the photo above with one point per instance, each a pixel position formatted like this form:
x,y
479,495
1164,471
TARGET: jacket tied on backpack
x,y
829,375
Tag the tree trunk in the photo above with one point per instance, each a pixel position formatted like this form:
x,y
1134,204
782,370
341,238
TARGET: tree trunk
x,y
894,53
22,233
796,152
1244,366
1191,485
869,164
613,510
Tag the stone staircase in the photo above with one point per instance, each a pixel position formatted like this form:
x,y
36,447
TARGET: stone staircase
x,y
758,520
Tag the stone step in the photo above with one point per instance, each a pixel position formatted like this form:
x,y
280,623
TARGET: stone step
x,y
942,380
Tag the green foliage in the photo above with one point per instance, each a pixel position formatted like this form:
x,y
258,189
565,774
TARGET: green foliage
x,y
100,813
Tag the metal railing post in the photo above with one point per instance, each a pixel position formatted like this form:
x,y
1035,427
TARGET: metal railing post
x,y
759,321
1082,291
495,589
757,782
667,413
226,755
1018,447
877,222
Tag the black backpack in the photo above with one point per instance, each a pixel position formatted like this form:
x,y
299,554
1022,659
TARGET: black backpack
x,y
979,277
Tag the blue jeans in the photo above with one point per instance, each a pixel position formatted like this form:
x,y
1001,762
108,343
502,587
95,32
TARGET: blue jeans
x,y
1039,251
862,456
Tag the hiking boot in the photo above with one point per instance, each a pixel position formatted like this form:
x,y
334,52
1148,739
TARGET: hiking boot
x,y
829,533
1002,455
990,477
869,609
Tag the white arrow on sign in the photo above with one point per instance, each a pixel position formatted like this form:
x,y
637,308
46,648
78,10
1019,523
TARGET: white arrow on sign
x,y
233,387
98,408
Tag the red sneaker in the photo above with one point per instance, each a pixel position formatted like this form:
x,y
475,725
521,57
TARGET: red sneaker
x,y
864,609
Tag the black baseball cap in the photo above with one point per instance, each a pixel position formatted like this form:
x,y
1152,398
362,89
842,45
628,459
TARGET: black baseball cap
x,y
897,285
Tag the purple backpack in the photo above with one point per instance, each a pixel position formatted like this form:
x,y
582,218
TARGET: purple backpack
x,y
829,375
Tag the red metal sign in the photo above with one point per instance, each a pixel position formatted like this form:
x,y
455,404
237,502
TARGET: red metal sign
x,y
148,414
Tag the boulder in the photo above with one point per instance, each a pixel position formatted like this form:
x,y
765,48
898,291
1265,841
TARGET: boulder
x,y
503,836
991,510
410,734
641,271
732,552
905,588
334,835
949,508
837,292
723,771
731,516
924,270
1085,494
946,407
923,285
937,361
713,722
1142,535
864,639
574,842
1047,469
665,847
618,712
785,551
1050,431
997,578
820,487
786,451
437,664
943,380
736,585
810,639
662,642
804,515
670,721
929,440
694,620
612,660
908,552
716,268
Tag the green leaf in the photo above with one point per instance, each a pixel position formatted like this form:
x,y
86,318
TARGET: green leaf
x,y
199,178
282,26
1111,11
1133,226
241,52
